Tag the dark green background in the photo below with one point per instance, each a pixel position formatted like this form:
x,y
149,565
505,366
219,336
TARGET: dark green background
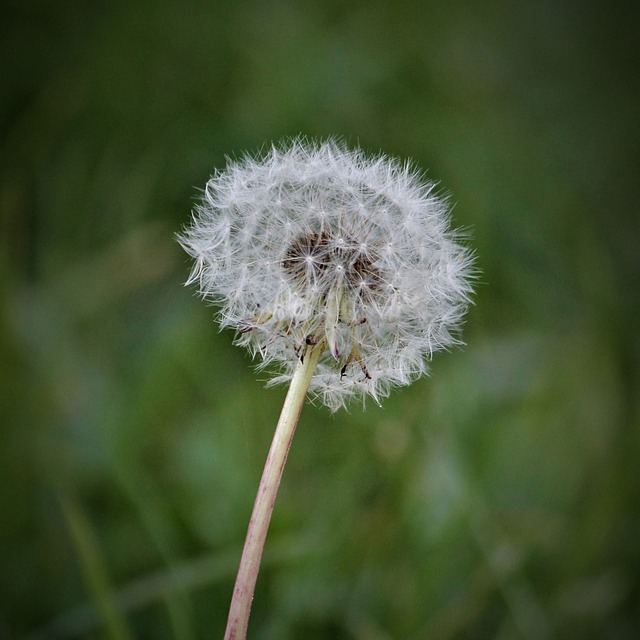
x,y
499,498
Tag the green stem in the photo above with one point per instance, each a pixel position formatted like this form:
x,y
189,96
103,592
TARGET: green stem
x,y
238,620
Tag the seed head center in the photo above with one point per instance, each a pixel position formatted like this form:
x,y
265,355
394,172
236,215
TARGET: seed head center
x,y
321,259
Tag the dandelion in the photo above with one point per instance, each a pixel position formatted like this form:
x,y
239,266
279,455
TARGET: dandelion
x,y
316,244
339,269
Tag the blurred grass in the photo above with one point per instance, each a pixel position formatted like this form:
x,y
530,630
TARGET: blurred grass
x,y
497,499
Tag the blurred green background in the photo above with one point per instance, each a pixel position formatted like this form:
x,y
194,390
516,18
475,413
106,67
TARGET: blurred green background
x,y
499,498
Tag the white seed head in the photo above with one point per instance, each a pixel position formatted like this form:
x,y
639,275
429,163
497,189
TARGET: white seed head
x,y
316,243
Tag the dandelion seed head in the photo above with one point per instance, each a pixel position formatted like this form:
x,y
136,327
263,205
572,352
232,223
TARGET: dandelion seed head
x,y
316,243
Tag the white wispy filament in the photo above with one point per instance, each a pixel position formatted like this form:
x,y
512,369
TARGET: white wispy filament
x,y
314,243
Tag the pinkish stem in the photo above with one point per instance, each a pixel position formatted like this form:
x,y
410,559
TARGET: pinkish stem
x,y
240,608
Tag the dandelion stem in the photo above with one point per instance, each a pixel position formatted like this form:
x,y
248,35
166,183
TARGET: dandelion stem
x,y
240,608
